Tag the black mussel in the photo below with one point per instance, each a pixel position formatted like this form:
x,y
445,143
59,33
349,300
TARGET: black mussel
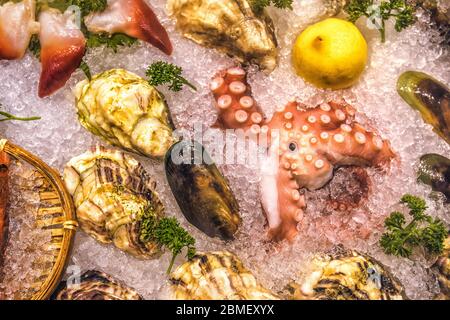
x,y
434,170
201,191
430,97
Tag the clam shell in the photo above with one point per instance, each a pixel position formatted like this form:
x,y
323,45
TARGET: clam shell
x,y
201,191
217,276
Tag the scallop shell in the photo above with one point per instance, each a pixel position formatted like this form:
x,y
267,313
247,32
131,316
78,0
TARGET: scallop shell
x,y
111,193
217,276
231,26
442,268
95,285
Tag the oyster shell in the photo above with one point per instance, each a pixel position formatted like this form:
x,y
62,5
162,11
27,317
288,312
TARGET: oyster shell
x,y
346,275
112,194
440,15
231,26
126,111
434,170
442,268
4,191
430,97
217,276
95,285
201,191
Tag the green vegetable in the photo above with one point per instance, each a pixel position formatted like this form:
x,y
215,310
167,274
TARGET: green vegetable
x,y
86,6
167,232
86,70
423,230
35,46
166,73
282,4
110,41
7,117
398,9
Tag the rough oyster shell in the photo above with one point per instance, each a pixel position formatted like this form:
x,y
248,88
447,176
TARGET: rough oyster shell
x,y
111,193
231,26
125,110
4,192
442,268
95,285
434,170
217,276
430,97
346,275
201,191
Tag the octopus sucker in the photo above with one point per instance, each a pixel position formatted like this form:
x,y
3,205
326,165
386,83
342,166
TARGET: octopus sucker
x,y
306,145
134,18
217,276
4,193
17,25
95,285
62,48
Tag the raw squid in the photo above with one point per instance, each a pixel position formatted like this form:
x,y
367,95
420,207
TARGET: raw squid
x,y
4,163
95,285
217,276
17,25
305,145
132,17
62,48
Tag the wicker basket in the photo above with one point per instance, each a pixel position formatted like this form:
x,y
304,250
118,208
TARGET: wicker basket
x,y
58,215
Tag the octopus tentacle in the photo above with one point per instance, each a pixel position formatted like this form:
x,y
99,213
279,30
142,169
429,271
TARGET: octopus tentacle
x,y
62,48
309,144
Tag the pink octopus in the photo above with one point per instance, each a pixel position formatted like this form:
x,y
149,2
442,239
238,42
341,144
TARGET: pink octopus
x,y
310,143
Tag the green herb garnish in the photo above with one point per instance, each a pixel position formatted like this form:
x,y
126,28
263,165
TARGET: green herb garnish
x,y
110,41
162,72
259,5
423,230
86,6
35,46
398,9
167,232
5,116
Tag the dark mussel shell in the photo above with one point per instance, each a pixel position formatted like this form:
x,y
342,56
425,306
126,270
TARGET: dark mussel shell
x,y
430,97
201,191
434,170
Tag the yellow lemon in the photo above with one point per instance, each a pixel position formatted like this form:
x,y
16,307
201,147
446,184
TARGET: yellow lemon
x,y
330,54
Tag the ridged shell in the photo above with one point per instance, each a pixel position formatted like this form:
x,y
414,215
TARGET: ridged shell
x,y
231,26
111,192
430,97
434,170
201,191
217,276
346,275
95,285
442,268
126,111
4,192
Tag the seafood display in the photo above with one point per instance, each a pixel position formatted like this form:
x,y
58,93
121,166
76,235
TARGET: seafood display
x,y
430,97
306,143
201,191
231,26
95,285
132,17
113,196
126,111
4,193
442,268
347,275
440,15
217,276
434,170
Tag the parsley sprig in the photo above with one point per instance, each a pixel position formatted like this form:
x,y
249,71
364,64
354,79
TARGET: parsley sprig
x,y
167,232
259,5
400,10
5,116
162,72
422,230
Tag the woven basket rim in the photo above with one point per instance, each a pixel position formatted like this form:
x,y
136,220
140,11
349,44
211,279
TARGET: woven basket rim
x,y
69,226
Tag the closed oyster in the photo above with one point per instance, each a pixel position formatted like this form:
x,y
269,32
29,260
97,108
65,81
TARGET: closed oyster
x,y
4,192
113,195
231,26
442,268
434,170
217,276
125,110
430,97
201,191
95,285
347,275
